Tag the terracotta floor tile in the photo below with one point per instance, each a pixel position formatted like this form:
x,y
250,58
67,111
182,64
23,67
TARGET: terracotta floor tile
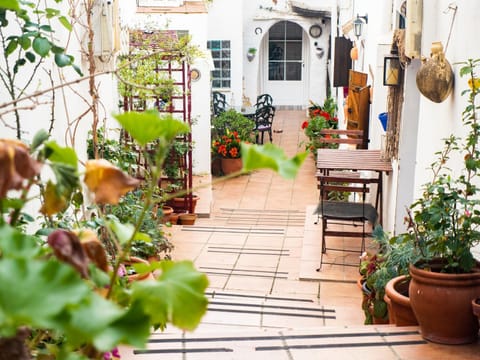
x,y
261,305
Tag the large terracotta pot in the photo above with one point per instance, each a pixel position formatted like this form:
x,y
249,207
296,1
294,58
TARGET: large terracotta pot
x,y
399,308
476,307
230,166
442,304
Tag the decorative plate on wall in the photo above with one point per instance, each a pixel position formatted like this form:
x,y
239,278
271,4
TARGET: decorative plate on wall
x,y
315,31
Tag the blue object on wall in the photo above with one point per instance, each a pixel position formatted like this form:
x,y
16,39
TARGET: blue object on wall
x,y
383,117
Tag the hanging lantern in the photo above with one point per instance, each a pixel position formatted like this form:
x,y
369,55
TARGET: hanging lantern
x,y
435,77
392,69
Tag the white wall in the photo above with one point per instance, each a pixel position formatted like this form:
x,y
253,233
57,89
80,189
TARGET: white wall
x,y
226,23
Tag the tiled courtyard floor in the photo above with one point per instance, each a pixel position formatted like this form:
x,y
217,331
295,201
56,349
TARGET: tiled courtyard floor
x,y
260,248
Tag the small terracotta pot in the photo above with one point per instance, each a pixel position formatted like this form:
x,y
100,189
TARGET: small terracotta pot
x,y
187,219
138,277
167,212
396,296
180,204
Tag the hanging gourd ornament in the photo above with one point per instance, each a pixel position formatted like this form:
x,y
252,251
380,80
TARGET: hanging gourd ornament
x,y
354,53
435,77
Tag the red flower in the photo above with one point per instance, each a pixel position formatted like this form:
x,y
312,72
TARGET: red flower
x,y
325,114
233,152
227,146
304,124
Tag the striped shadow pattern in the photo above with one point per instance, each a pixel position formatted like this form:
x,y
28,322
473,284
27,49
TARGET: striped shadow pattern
x,y
281,344
261,217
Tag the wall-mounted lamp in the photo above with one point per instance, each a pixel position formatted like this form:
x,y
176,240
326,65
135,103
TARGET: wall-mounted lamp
x,y
391,69
358,25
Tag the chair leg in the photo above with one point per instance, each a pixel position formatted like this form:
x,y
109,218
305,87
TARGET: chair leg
x,y
263,132
270,134
324,245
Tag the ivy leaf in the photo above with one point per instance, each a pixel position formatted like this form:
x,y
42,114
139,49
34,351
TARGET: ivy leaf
x,y
177,296
63,59
77,70
10,4
34,292
14,244
148,126
51,12
133,328
271,157
11,47
30,56
80,327
123,232
66,24
39,138
24,42
42,46
60,154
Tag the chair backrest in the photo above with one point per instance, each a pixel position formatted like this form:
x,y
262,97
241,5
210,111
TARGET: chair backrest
x,y
219,107
219,103
217,95
341,136
348,184
263,100
264,116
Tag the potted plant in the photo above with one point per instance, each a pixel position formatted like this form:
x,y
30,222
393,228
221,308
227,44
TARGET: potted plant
x,y
251,53
320,117
228,147
443,225
229,129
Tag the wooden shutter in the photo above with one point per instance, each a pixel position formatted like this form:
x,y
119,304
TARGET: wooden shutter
x,y
343,62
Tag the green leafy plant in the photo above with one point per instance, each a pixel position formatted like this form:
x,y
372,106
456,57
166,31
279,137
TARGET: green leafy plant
x,y
391,258
443,224
320,117
232,120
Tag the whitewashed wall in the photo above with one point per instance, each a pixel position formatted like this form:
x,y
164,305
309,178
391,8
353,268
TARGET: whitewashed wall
x,y
225,22
424,123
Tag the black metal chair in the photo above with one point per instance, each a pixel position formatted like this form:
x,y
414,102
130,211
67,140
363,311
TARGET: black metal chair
x,y
263,100
347,216
219,103
263,122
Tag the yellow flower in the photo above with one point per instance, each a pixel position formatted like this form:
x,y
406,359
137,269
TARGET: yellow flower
x,y
475,84
108,182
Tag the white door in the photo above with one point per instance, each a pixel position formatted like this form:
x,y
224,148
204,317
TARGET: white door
x,y
284,64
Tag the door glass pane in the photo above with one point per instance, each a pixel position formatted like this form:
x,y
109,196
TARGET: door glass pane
x,y
294,71
294,51
276,71
293,31
277,31
276,50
